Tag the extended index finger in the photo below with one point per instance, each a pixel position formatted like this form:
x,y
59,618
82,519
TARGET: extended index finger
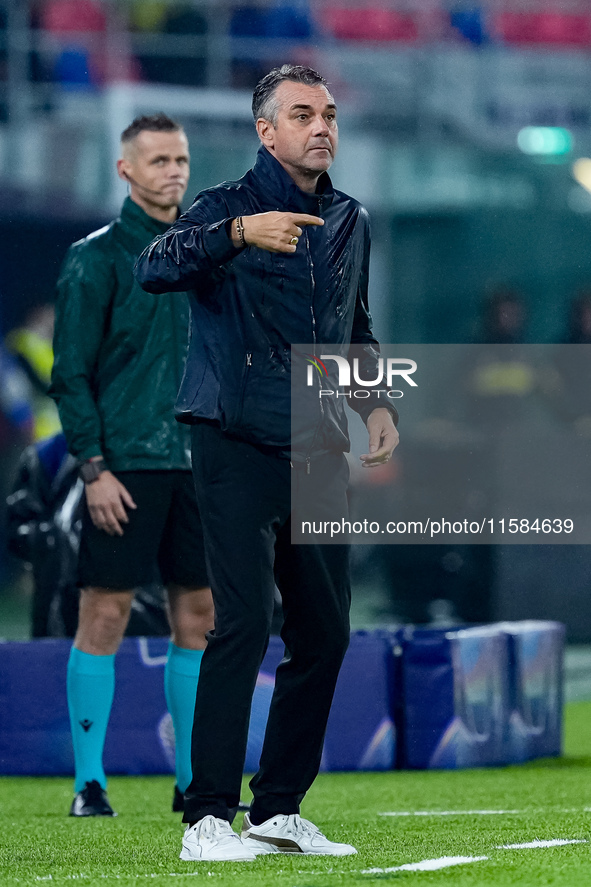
x,y
303,219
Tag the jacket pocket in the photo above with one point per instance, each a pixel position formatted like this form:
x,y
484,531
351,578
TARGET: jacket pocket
x,y
261,409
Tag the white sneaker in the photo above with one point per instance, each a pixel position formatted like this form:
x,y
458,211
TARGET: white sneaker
x,y
291,834
213,839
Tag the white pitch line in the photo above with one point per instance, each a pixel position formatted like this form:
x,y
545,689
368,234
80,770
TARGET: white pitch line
x,y
486,812
451,812
426,865
531,845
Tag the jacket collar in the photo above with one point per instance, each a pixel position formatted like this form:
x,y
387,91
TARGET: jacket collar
x,y
139,224
279,189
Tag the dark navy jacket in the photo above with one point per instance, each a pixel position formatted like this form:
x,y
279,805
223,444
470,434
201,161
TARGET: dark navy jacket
x,y
249,306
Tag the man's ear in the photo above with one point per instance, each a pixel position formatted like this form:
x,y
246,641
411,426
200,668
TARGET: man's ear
x,y
266,132
123,170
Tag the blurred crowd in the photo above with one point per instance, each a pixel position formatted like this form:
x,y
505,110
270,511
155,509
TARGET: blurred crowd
x,y
87,43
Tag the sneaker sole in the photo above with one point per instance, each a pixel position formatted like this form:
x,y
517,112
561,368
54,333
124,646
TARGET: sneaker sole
x,y
286,851
260,849
90,815
187,856
315,853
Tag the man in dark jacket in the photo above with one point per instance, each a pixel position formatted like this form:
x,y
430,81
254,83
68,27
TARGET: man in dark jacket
x,y
119,357
279,257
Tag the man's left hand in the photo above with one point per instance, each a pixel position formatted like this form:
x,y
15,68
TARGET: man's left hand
x,y
383,438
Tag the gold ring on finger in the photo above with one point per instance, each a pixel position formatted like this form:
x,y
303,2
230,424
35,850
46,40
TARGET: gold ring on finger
x,y
294,240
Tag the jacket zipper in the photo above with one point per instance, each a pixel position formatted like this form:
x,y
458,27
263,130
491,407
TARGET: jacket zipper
x,y
312,290
313,316
247,366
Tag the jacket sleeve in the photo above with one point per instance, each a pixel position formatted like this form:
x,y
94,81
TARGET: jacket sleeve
x,y
365,346
198,243
84,294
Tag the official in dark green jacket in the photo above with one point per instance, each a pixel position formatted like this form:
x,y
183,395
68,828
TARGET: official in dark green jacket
x,y
119,358
119,352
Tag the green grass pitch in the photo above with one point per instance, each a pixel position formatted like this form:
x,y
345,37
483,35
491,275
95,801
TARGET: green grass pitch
x,y
545,801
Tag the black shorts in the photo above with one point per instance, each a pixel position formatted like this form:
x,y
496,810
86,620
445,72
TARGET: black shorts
x,y
163,540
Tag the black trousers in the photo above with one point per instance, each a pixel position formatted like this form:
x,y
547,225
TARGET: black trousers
x,y
244,495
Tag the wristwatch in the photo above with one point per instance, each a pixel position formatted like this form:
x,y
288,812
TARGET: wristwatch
x,y
91,469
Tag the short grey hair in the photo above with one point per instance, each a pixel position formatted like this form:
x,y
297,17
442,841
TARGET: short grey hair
x,y
264,100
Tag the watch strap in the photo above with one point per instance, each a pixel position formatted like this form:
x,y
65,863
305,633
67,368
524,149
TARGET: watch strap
x,y
92,469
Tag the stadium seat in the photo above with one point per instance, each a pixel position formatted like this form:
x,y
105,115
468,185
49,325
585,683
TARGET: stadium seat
x,y
368,23
469,24
81,16
548,28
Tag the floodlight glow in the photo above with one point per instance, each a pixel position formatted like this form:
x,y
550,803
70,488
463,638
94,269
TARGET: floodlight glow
x,y
545,140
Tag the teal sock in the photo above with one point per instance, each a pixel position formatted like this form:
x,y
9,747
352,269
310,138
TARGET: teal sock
x,y
91,684
181,675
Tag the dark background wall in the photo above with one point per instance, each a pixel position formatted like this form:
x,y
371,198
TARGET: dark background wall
x,y
31,252
441,266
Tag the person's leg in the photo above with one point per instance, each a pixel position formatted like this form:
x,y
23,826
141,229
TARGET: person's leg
x,y
314,585
238,490
102,621
182,565
315,590
109,568
191,617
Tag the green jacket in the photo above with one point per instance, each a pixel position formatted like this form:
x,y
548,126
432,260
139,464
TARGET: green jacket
x,y
119,352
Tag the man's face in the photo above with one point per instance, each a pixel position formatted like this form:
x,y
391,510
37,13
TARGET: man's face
x,y
156,165
305,137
